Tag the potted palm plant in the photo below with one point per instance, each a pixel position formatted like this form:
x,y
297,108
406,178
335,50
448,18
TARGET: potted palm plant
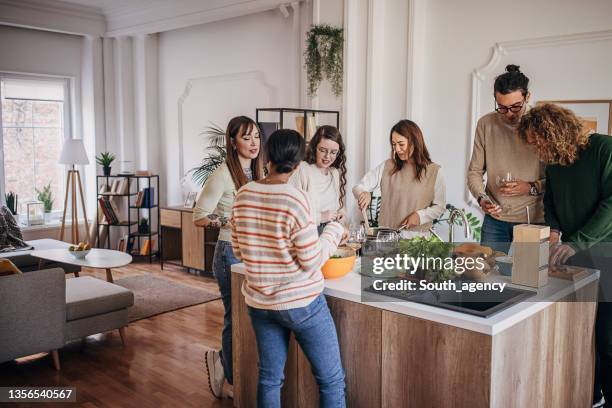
x,y
215,154
105,159
46,197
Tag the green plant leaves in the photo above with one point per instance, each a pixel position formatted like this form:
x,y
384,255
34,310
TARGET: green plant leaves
x,y
324,57
216,154
105,159
46,197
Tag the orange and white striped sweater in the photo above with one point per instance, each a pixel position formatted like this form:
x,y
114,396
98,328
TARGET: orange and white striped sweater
x,y
274,235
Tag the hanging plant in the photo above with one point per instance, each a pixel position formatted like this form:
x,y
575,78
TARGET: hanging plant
x,y
215,157
324,57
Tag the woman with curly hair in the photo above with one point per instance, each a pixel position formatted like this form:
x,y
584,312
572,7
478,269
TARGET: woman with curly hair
x,y
323,176
578,207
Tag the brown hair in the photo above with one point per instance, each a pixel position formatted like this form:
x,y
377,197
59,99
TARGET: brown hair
x,y
420,154
238,126
560,136
333,134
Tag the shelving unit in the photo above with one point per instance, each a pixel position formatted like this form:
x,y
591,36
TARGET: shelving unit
x,y
281,122
133,212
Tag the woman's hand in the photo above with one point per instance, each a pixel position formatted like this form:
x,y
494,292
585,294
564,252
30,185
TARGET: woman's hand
x,y
515,188
341,217
412,220
560,254
328,216
345,236
364,199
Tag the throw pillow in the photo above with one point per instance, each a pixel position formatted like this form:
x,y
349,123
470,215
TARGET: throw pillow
x,y
8,268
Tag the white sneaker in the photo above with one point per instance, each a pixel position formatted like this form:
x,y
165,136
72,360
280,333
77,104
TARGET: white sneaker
x,y
601,403
214,369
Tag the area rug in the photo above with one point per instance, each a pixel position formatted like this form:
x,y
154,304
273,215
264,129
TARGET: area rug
x,y
154,296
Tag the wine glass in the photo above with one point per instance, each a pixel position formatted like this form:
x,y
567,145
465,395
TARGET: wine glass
x,y
357,236
501,181
387,236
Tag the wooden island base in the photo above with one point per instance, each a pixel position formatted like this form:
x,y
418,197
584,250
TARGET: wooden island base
x,y
396,360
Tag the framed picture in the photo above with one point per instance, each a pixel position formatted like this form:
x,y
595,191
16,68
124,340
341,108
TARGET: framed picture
x,y
190,200
596,115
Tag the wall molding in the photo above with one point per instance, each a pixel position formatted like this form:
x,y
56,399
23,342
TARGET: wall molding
x,y
257,76
54,16
166,17
502,49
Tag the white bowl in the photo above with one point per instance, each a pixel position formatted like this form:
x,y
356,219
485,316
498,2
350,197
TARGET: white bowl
x,y
80,254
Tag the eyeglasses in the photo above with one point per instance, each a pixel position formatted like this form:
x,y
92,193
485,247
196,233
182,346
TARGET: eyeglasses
x,y
325,152
513,108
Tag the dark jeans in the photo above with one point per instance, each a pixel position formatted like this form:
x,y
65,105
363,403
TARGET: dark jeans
x,y
497,234
315,332
223,259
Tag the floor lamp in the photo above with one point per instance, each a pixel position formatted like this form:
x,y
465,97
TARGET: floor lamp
x,y
73,153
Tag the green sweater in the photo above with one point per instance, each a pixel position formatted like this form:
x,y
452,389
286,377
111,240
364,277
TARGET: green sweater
x,y
578,198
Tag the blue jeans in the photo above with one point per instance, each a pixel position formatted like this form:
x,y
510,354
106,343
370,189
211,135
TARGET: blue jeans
x,y
497,234
223,259
315,332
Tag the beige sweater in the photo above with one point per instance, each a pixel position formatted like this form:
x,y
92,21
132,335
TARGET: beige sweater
x,y
498,150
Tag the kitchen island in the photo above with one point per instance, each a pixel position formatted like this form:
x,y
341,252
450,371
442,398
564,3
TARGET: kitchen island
x,y
404,354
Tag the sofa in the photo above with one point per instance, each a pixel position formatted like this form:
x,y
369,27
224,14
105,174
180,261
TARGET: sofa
x,y
42,310
26,262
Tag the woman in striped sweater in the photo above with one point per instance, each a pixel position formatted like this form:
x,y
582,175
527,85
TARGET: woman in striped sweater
x,y
274,235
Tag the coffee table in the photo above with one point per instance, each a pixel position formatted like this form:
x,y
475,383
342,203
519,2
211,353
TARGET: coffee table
x,y
96,258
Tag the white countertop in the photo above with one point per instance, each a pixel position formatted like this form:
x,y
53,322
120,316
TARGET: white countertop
x,y
349,288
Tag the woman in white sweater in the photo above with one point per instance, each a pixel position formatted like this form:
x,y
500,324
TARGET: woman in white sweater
x,y
413,193
213,209
323,176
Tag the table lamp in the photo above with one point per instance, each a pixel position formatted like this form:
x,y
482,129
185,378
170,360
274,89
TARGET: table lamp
x,y
73,153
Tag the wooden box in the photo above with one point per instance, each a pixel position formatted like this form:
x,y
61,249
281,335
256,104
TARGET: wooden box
x,y
530,255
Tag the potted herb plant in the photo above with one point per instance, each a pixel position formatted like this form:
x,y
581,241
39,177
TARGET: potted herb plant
x,y
46,197
105,159
11,202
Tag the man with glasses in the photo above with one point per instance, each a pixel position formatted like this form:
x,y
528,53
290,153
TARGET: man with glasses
x,y
512,192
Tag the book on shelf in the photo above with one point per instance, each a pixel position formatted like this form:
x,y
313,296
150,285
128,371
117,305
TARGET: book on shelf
x,y
121,246
115,186
139,198
147,199
130,244
108,211
147,247
143,173
115,209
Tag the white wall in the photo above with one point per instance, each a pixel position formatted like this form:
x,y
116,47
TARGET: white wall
x,y
459,37
212,72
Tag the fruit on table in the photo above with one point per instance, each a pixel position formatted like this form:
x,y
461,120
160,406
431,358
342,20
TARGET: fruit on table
x,y
82,246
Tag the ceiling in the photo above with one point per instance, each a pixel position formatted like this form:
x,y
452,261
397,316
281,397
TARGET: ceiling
x,y
116,6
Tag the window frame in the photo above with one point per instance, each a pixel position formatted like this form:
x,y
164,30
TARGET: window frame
x,y
68,122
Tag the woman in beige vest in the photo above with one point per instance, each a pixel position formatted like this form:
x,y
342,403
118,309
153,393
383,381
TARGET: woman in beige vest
x,y
412,188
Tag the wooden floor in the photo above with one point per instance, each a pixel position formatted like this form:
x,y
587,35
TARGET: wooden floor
x,y
161,366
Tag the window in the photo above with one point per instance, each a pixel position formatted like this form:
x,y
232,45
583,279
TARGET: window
x,y
34,126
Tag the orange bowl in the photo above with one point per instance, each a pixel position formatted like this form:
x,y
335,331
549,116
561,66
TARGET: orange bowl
x,y
338,267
